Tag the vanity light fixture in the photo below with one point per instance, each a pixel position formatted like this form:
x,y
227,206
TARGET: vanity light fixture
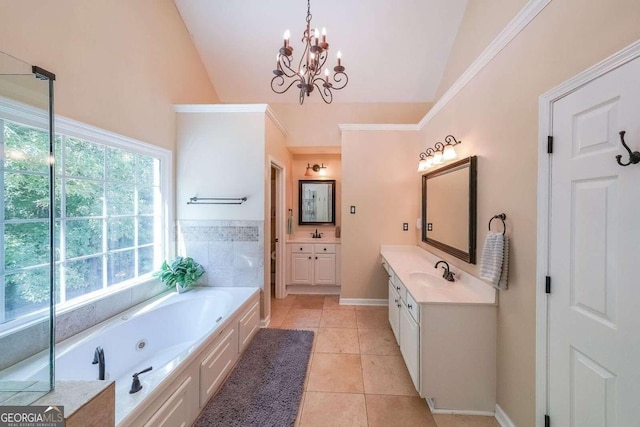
x,y
440,153
320,169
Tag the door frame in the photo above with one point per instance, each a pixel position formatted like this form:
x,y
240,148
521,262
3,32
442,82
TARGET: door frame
x,y
281,179
545,129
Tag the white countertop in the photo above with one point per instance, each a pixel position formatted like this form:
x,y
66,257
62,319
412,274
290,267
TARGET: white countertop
x,y
467,289
309,239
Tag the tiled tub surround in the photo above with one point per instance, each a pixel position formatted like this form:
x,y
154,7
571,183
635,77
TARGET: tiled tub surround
x,y
190,339
18,345
231,252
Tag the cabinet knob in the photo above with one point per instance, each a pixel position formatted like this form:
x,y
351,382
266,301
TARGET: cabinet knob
x,y
397,288
316,257
396,300
309,257
325,249
399,305
300,248
409,306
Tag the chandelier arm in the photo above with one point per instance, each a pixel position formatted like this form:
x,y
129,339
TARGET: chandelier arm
x,y
286,66
275,85
339,77
324,91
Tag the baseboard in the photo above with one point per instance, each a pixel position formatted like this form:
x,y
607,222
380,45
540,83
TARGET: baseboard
x,y
456,411
264,323
364,301
502,418
313,290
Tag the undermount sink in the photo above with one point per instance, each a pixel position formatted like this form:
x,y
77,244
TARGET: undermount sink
x,y
428,279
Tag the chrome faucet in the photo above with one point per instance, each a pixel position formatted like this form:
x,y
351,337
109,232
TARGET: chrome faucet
x,y
447,274
316,235
98,359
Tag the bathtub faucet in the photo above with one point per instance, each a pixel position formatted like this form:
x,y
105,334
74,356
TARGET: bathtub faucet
x,y
136,386
98,359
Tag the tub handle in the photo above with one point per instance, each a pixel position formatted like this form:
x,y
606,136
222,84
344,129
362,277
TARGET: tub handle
x,y
136,386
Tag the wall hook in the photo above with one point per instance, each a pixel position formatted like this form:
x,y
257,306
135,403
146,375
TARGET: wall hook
x,y
634,157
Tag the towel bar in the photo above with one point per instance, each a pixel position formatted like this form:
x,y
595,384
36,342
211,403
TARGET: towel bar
x,y
217,200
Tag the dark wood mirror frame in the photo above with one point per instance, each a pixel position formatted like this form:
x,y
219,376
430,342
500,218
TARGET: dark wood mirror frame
x,y
331,182
470,255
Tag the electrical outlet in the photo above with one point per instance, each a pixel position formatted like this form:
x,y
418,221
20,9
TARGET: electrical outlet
x,y
429,226
405,226
352,210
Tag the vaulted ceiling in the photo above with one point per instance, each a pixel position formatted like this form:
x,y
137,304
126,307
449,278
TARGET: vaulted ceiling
x,y
393,50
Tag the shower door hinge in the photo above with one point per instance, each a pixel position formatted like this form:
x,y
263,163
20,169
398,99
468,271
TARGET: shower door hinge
x,y
547,421
549,144
547,285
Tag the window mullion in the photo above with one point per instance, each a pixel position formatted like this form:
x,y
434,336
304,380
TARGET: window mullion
x,y
2,247
62,276
105,237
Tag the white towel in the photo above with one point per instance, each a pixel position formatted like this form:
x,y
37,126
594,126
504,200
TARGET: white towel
x,y
502,284
492,257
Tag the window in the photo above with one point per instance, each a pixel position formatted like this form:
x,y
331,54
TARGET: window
x,y
110,225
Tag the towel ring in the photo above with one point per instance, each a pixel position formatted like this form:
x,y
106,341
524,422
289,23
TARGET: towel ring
x,y
501,217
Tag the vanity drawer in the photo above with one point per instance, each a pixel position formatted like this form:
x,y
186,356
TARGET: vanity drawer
x,y
301,248
325,249
413,308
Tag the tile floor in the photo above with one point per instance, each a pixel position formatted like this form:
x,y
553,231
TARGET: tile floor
x,y
356,374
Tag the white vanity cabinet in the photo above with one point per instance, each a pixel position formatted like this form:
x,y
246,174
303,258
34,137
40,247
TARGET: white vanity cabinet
x,y
314,264
402,309
446,332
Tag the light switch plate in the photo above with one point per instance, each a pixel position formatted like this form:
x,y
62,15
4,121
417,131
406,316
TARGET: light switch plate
x,y
352,210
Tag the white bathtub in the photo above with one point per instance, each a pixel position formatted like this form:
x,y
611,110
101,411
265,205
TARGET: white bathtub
x,y
163,332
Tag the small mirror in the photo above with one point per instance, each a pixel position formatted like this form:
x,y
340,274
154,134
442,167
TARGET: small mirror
x,y
316,202
449,209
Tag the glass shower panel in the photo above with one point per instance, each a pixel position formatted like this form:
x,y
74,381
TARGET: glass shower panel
x,y
27,300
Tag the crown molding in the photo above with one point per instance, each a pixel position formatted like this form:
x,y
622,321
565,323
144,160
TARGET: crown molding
x,y
232,108
220,108
508,33
379,127
272,115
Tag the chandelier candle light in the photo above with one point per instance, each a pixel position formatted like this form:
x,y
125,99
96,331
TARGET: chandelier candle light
x,y
309,72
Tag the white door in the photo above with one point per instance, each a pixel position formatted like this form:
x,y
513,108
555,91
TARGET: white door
x,y
594,256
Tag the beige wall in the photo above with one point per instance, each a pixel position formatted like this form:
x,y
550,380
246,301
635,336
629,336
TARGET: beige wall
x,y
316,125
481,23
221,155
275,149
496,115
333,162
379,179
120,65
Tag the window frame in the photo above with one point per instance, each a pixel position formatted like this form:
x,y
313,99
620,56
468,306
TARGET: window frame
x,y
23,114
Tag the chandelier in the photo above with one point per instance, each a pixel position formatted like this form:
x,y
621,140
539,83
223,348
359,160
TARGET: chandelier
x,y
308,74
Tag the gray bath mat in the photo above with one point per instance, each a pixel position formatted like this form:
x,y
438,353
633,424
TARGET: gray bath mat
x,y
265,387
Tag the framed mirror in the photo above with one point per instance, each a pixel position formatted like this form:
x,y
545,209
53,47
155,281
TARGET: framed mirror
x,y
316,202
449,209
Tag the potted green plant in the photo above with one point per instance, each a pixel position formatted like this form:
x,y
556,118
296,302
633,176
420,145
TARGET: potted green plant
x,y
181,273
